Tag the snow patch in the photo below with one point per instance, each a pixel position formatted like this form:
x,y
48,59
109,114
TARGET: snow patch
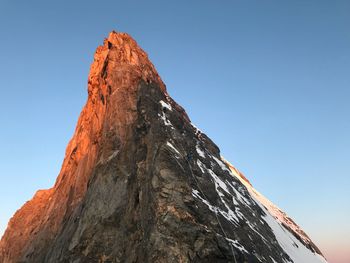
x,y
197,131
165,105
199,151
165,120
221,164
231,216
237,245
201,166
173,148
292,246
275,218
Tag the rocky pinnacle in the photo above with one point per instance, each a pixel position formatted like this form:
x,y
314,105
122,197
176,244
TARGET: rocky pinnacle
x,y
140,183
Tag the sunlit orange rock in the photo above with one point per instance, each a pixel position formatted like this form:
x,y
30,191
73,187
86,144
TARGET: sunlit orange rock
x,y
114,76
140,184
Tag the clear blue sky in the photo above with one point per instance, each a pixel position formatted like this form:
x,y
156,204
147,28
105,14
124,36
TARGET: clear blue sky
x,y
268,81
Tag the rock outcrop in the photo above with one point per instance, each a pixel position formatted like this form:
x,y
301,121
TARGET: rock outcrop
x,y
139,183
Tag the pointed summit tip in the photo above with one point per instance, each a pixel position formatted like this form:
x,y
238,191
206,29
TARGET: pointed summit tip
x,y
140,183
118,38
120,56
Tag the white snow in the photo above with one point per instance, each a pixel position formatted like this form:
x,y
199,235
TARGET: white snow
x,y
275,217
218,182
165,105
165,120
239,196
173,147
236,244
197,131
201,166
220,185
230,216
292,246
195,193
200,152
163,115
220,163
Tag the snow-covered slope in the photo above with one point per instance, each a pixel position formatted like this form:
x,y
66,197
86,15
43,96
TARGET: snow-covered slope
x,y
290,236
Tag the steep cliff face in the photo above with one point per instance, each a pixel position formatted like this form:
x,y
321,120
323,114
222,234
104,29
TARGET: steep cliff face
x,y
139,183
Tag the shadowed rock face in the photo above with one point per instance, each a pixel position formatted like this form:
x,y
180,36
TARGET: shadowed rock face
x,y
139,183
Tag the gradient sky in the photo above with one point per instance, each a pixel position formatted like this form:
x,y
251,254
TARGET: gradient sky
x,y
268,81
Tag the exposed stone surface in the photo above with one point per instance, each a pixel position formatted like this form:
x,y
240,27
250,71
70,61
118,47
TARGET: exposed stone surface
x,y
139,183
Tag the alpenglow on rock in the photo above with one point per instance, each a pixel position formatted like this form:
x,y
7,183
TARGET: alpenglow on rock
x,y
139,183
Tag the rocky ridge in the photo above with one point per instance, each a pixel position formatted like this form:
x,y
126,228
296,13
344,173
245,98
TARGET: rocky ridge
x,y
139,183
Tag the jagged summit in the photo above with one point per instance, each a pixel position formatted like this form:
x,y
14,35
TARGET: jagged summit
x,y
139,183
120,54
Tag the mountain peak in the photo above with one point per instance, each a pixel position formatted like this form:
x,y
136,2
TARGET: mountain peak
x,y
139,183
121,59
129,51
119,39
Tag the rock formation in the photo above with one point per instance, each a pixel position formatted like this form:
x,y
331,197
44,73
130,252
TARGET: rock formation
x,y
139,183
